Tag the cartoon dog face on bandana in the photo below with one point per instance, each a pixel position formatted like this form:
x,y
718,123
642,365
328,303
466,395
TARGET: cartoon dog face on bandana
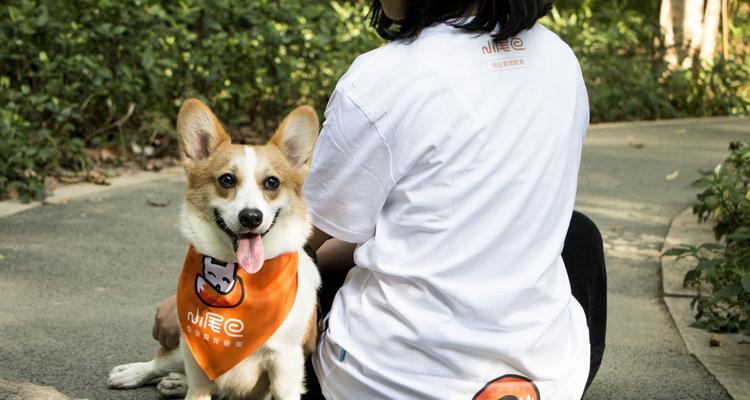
x,y
509,387
218,284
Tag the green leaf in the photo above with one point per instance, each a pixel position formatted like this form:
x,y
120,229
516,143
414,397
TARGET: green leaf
x,y
745,281
739,235
147,60
705,264
712,246
675,251
727,291
691,276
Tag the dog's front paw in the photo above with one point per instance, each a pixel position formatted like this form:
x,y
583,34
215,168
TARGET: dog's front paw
x,y
133,375
173,385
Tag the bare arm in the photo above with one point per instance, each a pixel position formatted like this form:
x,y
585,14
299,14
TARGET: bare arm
x,y
318,238
333,254
166,324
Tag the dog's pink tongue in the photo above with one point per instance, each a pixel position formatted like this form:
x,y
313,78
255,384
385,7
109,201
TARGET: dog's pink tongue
x,y
250,254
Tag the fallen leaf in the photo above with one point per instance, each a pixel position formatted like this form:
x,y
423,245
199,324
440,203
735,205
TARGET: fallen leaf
x,y
672,176
106,155
135,148
97,178
30,173
96,200
50,183
157,203
716,341
92,154
70,179
636,145
2,257
680,131
157,165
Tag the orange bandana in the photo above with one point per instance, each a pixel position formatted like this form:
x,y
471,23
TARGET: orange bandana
x,y
226,314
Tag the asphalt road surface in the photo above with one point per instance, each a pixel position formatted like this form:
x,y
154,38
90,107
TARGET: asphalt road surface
x,y
80,281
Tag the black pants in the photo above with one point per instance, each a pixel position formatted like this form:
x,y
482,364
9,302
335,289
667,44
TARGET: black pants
x,y
584,260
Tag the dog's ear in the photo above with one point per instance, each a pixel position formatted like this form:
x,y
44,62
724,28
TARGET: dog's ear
x,y
199,130
296,136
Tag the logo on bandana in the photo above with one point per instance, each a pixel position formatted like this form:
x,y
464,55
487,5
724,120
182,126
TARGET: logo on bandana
x,y
218,285
509,387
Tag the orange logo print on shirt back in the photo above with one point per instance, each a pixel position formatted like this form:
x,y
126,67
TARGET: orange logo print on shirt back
x,y
226,314
509,387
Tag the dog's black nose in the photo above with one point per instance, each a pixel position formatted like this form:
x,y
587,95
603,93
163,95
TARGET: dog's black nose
x,y
251,218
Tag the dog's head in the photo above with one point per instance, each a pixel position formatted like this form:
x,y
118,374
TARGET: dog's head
x,y
244,202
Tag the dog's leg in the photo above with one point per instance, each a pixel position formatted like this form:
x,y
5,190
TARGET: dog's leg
x,y
133,375
311,335
199,387
287,374
173,385
202,393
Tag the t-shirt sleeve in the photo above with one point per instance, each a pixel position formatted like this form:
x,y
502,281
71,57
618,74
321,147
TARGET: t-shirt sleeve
x,y
351,173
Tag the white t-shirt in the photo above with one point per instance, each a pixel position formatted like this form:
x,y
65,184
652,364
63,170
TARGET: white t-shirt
x,y
453,162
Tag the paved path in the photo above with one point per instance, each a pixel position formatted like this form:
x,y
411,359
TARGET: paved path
x,y
626,192
80,280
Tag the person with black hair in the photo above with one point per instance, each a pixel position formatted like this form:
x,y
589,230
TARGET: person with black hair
x,y
448,161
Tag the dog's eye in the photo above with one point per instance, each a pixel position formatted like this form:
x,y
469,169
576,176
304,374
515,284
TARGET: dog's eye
x,y
271,183
227,181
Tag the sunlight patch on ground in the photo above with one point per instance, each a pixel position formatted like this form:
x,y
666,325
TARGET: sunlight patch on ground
x,y
623,210
10,390
632,247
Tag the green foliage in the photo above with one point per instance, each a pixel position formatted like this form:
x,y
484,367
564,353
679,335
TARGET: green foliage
x,y
77,74
21,154
93,73
726,192
624,68
725,269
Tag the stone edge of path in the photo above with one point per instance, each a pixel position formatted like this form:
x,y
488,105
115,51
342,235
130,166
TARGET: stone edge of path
x,y
65,193
728,363
667,122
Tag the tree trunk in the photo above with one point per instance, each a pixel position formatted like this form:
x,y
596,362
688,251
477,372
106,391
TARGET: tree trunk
x,y
710,30
725,29
689,29
692,24
666,21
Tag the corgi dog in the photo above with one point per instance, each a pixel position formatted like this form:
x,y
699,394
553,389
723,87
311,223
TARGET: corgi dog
x,y
243,206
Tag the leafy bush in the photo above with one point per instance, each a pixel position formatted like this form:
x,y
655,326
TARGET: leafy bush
x,y
723,268
625,73
91,73
621,73
112,73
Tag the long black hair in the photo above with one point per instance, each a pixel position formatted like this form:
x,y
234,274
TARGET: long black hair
x,y
511,16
